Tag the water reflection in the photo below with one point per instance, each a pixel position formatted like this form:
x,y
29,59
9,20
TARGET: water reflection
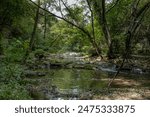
x,y
84,80
77,83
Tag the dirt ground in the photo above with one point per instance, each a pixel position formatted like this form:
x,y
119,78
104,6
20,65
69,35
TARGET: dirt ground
x,y
124,94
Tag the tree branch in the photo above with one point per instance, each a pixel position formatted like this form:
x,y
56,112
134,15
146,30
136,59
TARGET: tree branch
x,y
112,6
92,18
70,12
59,17
130,35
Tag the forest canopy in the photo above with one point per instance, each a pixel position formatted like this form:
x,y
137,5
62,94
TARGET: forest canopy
x,y
109,27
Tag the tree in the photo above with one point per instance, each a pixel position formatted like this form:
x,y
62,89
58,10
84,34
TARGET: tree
x,y
11,12
135,21
32,40
136,18
73,21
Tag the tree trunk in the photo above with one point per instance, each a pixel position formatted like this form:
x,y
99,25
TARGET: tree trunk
x,y
132,30
1,48
45,22
32,40
100,11
86,32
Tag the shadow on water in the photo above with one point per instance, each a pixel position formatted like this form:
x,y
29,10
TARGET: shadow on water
x,y
80,83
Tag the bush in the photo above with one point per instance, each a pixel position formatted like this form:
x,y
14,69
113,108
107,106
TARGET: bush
x,y
13,91
36,56
11,77
11,72
15,51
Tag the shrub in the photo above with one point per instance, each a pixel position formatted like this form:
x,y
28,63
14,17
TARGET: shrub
x,y
11,77
11,72
15,51
13,91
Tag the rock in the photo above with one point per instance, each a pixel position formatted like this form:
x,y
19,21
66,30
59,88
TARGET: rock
x,y
34,73
108,67
71,54
30,73
54,90
41,73
86,96
136,71
55,65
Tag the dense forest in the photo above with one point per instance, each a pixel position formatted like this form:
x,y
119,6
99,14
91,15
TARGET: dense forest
x,y
74,49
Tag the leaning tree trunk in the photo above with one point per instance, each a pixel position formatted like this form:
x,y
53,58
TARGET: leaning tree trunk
x,y
82,29
32,40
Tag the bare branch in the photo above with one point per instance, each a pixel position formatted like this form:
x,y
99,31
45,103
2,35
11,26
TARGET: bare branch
x,y
61,9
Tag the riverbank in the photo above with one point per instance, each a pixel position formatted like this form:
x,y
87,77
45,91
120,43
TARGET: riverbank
x,y
79,61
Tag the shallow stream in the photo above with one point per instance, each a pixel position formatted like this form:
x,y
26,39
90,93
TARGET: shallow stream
x,y
77,83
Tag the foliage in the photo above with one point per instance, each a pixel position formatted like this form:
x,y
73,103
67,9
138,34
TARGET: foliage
x,y
12,11
68,38
15,51
10,72
13,91
60,35
79,27
37,53
11,79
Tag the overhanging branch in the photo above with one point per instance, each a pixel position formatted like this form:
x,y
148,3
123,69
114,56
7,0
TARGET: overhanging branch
x,y
59,17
